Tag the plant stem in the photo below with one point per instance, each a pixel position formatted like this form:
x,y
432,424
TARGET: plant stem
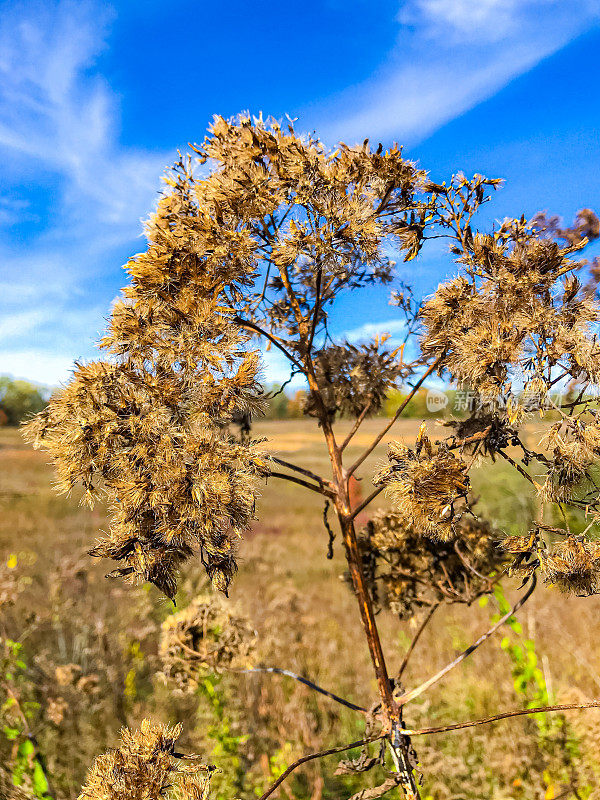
x,y
457,726
406,698
312,756
415,639
380,436
300,481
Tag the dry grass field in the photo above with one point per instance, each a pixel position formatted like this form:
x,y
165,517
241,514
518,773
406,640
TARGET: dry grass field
x,y
90,645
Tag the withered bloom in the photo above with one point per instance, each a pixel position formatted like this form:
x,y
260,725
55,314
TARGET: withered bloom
x,y
354,377
573,566
146,428
145,767
408,571
425,485
205,637
517,291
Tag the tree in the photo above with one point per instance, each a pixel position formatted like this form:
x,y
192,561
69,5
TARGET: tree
x,y
19,400
259,250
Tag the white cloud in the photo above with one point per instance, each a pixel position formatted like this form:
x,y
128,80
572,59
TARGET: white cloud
x,y
21,323
59,118
32,364
54,110
371,329
449,56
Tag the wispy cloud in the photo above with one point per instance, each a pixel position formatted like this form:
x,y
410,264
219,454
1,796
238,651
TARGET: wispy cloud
x,y
59,119
369,330
449,56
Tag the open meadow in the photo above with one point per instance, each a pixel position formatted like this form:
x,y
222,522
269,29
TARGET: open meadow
x,y
89,663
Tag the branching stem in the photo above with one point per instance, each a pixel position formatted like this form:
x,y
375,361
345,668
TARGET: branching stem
x,y
284,476
312,756
521,712
403,405
415,639
306,682
418,690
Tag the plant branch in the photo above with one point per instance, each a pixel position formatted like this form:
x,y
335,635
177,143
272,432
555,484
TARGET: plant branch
x,y
245,323
415,639
312,756
519,469
356,426
418,690
306,682
504,715
380,436
319,489
321,481
316,310
366,501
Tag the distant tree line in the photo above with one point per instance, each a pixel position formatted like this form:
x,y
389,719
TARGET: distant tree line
x,y
280,404
19,400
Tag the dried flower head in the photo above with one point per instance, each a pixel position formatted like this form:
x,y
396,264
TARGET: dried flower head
x,y
205,637
408,571
354,377
574,447
278,222
425,485
145,767
573,566
147,427
518,293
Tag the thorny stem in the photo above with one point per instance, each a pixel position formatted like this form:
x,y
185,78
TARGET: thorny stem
x,y
504,715
418,690
401,408
312,756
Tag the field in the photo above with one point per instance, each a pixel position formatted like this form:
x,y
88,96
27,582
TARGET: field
x,y
90,647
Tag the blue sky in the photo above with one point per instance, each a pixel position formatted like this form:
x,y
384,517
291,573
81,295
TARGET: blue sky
x,y
96,99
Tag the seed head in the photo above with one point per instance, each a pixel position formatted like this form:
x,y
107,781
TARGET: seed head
x,y
144,767
205,637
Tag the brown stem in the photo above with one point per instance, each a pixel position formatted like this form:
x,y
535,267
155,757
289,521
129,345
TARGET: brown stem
x,y
341,500
366,501
306,484
418,690
415,639
321,754
302,470
306,682
316,310
378,438
504,715
245,323
356,426
519,469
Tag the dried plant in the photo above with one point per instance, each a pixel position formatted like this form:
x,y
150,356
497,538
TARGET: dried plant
x,y
407,570
146,767
258,247
206,637
425,486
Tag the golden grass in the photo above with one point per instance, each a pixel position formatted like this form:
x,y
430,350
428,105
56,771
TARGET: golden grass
x,y
297,599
